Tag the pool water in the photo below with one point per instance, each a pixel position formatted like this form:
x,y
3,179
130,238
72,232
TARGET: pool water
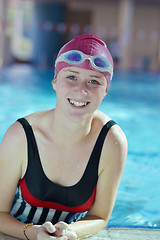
x,y
133,101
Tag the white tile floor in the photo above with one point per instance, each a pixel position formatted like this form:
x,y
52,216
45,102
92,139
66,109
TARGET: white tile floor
x,y
126,234
115,234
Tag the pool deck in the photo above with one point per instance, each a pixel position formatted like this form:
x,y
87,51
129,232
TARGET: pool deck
x,y
116,234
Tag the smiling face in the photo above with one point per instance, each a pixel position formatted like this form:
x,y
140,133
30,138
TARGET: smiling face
x,y
79,92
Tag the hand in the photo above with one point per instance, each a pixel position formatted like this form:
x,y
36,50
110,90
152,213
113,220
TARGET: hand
x,y
59,231
62,229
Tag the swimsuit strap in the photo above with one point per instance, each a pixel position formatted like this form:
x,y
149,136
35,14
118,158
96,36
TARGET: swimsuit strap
x,y
96,152
31,141
100,140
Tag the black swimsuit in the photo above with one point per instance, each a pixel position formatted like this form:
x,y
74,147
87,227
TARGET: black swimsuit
x,y
38,199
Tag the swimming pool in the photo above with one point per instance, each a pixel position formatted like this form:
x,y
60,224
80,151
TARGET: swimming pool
x,y
133,101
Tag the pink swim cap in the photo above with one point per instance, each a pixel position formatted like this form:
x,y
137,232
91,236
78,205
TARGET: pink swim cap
x,y
89,45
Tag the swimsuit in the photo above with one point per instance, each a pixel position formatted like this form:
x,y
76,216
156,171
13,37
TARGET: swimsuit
x,y
38,199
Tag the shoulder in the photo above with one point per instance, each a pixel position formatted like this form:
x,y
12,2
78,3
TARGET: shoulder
x,y
13,139
15,131
13,151
114,149
115,135
15,135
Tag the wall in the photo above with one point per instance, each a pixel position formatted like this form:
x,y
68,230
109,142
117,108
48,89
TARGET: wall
x,y
142,50
46,41
146,34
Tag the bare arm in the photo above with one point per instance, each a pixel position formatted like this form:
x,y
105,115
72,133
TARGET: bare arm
x,y
13,155
112,165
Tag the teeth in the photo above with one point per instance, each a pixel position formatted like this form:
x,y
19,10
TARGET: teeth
x,y
78,104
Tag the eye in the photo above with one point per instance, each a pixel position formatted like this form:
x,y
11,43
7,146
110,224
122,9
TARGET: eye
x,y
71,77
94,82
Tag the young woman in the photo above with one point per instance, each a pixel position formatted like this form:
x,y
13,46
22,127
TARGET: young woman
x,y
60,168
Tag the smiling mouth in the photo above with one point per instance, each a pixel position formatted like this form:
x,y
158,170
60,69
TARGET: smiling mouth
x,y
77,103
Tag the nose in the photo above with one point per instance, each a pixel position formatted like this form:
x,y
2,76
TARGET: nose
x,y
82,88
84,91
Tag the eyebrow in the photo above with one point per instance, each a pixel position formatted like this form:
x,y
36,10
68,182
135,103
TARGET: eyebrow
x,y
72,71
94,76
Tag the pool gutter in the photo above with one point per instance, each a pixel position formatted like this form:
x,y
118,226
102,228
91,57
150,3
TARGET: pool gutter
x,y
116,234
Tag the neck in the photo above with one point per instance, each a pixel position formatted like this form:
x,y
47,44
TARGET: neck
x,y
69,131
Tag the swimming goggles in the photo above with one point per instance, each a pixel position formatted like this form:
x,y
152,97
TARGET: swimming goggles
x,y
75,57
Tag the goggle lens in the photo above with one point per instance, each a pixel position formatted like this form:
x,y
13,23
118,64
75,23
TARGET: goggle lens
x,y
73,57
101,63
